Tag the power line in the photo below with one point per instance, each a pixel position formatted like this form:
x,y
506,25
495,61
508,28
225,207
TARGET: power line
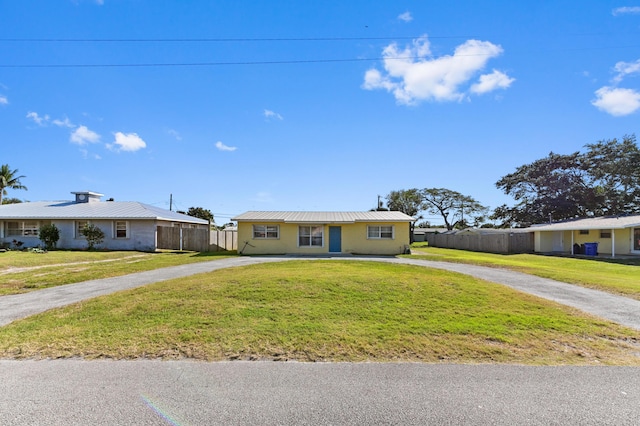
x,y
213,40
272,62
201,64
253,39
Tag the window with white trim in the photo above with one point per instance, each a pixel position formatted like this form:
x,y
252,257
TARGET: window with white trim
x,y
120,229
311,236
80,224
261,232
380,232
23,228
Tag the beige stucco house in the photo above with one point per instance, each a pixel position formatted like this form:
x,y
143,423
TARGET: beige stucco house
x,y
314,233
613,235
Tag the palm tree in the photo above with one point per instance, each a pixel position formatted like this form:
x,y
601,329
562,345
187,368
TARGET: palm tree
x,y
8,179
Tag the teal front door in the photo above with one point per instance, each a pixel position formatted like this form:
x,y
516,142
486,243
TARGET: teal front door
x,y
335,239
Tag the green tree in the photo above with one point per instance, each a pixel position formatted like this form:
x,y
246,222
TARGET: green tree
x,y
49,235
93,234
614,170
456,209
553,188
604,180
407,201
11,200
201,213
9,179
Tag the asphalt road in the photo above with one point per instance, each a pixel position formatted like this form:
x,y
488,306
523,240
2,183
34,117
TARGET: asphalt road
x,y
74,392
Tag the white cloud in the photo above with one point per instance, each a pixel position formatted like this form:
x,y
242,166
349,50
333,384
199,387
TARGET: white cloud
x,y
4,100
626,10
617,101
491,82
223,147
39,120
406,17
272,114
626,68
175,134
86,155
413,75
64,123
82,136
130,142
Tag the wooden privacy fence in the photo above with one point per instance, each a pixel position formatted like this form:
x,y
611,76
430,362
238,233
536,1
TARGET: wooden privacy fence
x,y
174,238
504,243
223,240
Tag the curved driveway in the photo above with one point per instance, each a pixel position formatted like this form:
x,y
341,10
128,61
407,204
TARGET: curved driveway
x,y
618,309
151,392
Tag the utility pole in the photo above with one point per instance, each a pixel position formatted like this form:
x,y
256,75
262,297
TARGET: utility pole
x,y
170,202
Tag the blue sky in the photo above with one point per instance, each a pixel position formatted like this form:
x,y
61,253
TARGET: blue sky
x,y
314,105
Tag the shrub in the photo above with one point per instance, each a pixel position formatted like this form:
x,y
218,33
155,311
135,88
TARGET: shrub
x,y
49,235
93,234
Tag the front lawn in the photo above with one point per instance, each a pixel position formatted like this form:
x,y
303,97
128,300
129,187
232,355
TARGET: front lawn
x,y
324,311
23,271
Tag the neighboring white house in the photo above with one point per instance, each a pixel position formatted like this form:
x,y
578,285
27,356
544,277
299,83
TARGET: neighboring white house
x,y
613,235
127,225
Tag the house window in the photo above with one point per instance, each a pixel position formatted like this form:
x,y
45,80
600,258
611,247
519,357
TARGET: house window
x,y
584,232
80,224
380,232
310,236
22,229
266,232
605,234
121,229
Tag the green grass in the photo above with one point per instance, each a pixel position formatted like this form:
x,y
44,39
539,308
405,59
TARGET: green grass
x,y
621,277
23,271
324,311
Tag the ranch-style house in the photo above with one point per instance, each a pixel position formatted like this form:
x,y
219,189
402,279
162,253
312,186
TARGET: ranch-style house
x,y
316,233
615,235
127,225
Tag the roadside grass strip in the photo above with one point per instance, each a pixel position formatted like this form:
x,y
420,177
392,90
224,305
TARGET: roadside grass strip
x,y
21,272
324,311
618,277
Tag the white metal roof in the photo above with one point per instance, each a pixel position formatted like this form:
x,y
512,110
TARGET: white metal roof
x,y
323,217
591,223
96,210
